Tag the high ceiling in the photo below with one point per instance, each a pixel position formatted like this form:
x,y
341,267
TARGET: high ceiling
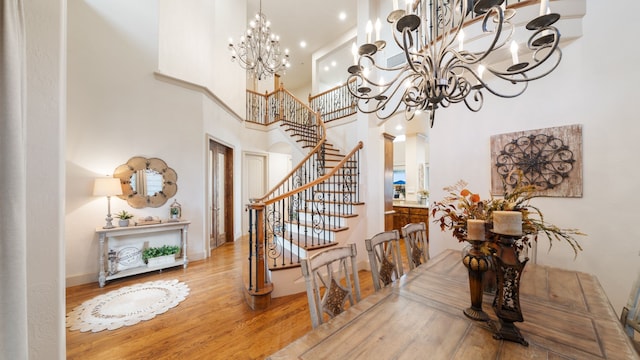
x,y
315,22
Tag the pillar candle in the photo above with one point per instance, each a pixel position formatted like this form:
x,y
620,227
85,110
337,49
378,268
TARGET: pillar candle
x,y
544,5
475,229
514,52
507,222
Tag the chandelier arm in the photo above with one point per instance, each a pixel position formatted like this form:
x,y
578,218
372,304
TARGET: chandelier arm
x,y
551,50
476,57
524,82
406,34
388,94
497,31
378,108
450,34
460,87
478,97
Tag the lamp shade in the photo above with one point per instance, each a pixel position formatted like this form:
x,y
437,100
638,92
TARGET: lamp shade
x,y
107,187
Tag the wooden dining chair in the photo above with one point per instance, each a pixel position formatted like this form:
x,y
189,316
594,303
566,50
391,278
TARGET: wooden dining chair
x,y
331,278
416,242
384,258
630,316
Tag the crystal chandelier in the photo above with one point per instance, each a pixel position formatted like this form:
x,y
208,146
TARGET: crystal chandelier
x,y
438,70
259,50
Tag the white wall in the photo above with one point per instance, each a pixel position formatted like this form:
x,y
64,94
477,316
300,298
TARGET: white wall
x,y
118,109
593,86
194,39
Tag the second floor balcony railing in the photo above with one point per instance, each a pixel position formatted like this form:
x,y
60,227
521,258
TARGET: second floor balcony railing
x,y
335,103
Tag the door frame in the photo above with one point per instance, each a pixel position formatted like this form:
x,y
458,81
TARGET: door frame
x,y
229,198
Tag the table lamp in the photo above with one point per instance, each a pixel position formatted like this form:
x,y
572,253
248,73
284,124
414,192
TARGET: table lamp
x,y
107,187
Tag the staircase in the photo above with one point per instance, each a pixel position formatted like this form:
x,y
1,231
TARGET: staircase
x,y
307,211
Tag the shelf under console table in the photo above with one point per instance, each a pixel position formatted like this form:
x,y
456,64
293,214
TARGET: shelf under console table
x,y
120,248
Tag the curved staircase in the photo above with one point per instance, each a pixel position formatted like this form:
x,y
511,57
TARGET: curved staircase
x,y
310,209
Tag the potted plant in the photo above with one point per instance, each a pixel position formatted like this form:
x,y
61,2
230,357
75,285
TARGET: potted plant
x,y
164,254
124,217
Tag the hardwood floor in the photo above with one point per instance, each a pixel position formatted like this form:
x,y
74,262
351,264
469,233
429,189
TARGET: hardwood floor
x,y
213,322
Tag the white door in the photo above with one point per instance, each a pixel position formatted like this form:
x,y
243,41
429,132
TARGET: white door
x,y
254,182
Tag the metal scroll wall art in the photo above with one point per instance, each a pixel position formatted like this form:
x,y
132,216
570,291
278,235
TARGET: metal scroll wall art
x,y
550,159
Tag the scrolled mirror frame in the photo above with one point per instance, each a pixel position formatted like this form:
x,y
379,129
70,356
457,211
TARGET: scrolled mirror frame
x,y
124,172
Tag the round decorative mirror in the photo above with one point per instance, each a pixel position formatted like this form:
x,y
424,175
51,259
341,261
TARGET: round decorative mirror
x,y
146,182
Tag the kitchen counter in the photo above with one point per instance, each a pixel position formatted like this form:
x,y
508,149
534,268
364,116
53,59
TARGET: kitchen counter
x,y
412,204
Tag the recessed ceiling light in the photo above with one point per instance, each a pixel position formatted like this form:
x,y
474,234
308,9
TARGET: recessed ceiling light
x,y
303,44
333,63
326,68
398,127
342,16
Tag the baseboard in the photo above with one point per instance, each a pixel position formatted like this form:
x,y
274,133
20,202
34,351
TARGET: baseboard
x,y
81,280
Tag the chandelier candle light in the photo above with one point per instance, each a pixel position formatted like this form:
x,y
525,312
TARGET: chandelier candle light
x,y
258,51
438,69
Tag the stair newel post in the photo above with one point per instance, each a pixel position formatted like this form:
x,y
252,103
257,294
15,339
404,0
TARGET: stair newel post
x,y
252,233
259,290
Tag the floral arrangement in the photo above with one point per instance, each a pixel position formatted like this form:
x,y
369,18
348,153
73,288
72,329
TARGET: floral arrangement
x,y
461,205
423,193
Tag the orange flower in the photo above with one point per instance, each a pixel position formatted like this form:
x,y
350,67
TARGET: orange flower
x,y
475,198
465,192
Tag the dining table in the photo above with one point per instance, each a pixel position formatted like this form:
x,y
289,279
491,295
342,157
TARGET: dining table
x,y
566,313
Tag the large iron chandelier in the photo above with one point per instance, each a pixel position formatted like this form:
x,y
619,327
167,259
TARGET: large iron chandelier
x,y
437,69
258,51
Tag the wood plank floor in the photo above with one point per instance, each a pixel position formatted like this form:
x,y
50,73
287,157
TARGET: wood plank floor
x,y
214,322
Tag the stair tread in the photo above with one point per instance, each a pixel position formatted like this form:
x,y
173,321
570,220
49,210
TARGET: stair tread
x,y
336,215
334,202
310,224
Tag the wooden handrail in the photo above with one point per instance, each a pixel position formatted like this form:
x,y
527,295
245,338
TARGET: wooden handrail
x,y
292,172
301,163
303,104
318,180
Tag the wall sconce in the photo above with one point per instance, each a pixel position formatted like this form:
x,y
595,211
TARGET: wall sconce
x,y
107,187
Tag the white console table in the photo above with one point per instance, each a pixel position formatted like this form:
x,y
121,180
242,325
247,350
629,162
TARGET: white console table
x,y
111,237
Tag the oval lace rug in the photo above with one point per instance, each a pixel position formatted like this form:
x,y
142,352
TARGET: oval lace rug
x,y
127,306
